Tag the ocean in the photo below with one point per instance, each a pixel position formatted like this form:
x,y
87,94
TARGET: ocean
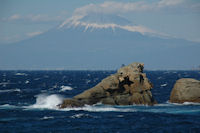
x,y
28,102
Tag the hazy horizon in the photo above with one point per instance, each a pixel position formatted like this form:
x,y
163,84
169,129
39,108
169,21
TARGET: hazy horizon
x,y
99,35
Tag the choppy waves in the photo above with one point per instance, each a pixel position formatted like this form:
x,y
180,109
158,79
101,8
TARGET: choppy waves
x,y
45,101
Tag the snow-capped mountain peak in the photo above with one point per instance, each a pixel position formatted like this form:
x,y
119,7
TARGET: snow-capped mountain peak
x,y
102,21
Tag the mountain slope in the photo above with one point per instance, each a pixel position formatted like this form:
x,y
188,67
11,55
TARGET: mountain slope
x,y
90,43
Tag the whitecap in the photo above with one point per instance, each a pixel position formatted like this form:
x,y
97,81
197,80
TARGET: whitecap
x,y
65,88
163,85
10,90
7,106
53,87
87,81
183,104
47,117
44,101
190,103
26,82
120,116
79,115
21,74
4,83
163,105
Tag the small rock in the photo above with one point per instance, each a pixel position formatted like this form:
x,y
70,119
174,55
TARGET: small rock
x,y
185,90
70,103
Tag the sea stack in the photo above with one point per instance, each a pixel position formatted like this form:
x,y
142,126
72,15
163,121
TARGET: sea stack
x,y
185,90
126,87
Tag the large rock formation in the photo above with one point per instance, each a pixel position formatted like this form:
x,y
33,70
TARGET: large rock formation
x,y
185,90
128,86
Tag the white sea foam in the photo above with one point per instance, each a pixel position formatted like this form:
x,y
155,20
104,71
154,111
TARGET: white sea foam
x,y
44,101
47,117
65,88
53,87
163,85
87,81
7,106
36,78
79,115
4,83
10,90
183,104
190,103
21,74
163,105
120,115
100,109
26,82
159,108
51,102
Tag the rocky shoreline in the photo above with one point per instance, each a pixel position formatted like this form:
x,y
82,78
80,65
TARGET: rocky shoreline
x,y
131,86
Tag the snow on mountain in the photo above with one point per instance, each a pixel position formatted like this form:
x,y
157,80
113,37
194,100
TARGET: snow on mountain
x,y
99,42
102,21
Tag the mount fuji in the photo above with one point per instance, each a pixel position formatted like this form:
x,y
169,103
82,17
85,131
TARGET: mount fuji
x,y
99,41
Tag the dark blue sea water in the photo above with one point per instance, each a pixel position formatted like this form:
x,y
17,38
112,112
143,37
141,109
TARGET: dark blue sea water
x,y
28,102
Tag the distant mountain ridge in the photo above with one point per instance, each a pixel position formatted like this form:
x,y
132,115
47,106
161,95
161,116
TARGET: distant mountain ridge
x,y
99,42
102,21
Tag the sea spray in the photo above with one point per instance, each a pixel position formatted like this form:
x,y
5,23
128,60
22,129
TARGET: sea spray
x,y
47,101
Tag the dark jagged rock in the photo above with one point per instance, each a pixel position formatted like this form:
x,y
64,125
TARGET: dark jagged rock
x,y
185,90
126,87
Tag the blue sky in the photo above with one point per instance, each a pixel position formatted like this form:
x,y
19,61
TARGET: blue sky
x,y
22,19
